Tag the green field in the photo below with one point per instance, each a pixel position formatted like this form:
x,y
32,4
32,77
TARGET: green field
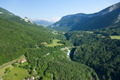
x,y
17,74
54,43
2,70
6,65
115,37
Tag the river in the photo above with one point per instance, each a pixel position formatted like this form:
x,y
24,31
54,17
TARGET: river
x,y
71,53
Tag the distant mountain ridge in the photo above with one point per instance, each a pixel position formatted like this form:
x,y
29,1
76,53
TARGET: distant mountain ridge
x,y
43,22
81,21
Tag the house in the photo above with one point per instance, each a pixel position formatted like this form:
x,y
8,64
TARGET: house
x,y
32,78
23,60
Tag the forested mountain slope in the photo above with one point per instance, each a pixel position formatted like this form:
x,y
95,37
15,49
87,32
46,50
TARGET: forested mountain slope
x,y
16,37
52,63
81,21
99,49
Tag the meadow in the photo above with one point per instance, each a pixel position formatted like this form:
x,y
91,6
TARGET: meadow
x,y
54,43
115,37
17,74
2,70
9,64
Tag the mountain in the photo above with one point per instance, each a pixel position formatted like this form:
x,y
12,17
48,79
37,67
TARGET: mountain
x,y
16,35
43,22
93,55
98,49
21,37
81,21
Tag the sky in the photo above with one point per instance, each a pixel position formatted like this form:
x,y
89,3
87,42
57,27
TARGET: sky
x,y
53,10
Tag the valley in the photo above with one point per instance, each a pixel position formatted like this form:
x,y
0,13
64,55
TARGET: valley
x,y
77,47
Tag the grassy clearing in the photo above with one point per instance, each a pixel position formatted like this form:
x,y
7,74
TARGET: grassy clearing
x,y
17,74
89,32
2,70
115,37
9,64
54,43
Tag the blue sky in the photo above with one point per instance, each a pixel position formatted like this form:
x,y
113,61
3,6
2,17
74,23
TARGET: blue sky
x,y
53,10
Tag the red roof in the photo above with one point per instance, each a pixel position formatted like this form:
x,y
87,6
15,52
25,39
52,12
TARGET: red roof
x,y
23,60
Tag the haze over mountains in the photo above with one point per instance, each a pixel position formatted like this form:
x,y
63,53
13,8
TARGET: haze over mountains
x,y
81,21
43,22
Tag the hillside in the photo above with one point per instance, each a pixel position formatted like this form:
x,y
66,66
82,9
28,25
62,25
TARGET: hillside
x,y
90,51
44,52
99,49
81,21
15,37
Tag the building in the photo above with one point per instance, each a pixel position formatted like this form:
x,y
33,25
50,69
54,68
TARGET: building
x,y
32,78
23,60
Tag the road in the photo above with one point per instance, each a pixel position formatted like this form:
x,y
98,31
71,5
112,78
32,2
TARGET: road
x,y
10,62
6,64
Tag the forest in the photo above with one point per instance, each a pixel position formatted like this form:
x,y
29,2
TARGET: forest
x,y
15,38
56,66
19,38
98,50
95,53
